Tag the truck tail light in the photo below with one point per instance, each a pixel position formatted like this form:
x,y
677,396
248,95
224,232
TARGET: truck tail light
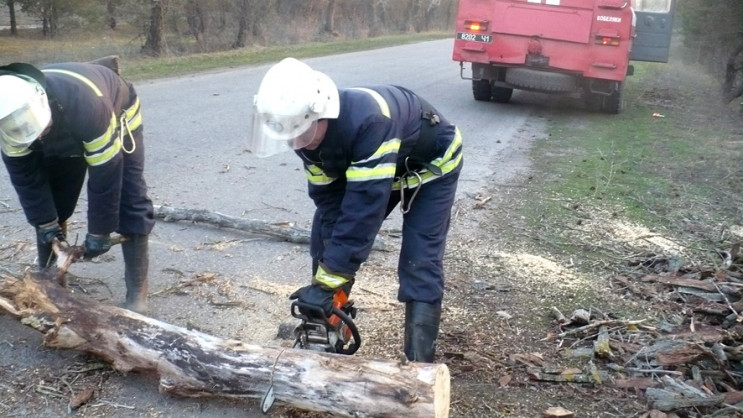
x,y
476,25
607,40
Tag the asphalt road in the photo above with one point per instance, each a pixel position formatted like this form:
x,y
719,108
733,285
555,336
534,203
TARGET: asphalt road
x,y
196,129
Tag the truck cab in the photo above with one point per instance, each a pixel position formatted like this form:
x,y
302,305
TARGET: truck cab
x,y
579,47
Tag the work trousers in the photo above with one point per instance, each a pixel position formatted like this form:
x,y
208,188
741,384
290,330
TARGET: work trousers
x,y
425,227
67,176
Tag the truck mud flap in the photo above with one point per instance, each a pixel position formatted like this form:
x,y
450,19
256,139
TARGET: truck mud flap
x,y
528,79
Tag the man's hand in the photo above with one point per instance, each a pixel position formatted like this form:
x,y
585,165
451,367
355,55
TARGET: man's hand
x,y
45,233
313,299
96,245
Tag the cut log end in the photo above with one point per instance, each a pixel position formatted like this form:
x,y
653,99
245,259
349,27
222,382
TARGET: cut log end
x,y
441,392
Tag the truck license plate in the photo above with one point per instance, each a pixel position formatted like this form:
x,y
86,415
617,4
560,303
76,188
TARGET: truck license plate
x,y
475,37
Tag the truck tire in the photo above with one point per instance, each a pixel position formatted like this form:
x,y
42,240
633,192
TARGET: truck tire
x,y
502,94
528,79
614,102
482,90
611,104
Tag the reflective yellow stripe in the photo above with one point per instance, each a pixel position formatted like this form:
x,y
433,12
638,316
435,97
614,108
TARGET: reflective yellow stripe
x,y
383,107
316,176
15,151
382,171
445,163
77,76
103,140
387,147
105,156
133,115
330,280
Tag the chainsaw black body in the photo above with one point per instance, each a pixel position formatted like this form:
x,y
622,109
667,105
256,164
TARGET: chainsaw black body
x,y
334,334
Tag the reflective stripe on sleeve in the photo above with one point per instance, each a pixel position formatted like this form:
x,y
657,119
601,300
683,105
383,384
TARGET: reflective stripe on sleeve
x,y
316,176
376,171
103,148
328,279
451,159
133,116
12,151
382,171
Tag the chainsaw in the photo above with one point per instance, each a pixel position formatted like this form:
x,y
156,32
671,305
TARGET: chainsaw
x,y
334,334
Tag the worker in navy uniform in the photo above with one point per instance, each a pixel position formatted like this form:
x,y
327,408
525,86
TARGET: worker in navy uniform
x,y
365,151
60,122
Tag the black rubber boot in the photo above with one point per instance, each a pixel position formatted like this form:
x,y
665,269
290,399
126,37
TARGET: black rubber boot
x,y
421,330
136,263
45,254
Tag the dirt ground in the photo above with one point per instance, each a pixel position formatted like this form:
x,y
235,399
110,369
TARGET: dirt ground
x,y
502,281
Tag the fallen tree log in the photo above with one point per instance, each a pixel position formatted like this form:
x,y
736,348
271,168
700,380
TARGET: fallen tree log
x,y
284,231
195,364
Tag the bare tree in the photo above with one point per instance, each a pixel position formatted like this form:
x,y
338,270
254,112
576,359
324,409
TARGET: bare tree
x,y
197,18
732,85
111,13
11,13
329,21
243,11
154,44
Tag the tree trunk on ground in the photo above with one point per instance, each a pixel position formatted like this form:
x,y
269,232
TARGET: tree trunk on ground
x,y
284,231
191,363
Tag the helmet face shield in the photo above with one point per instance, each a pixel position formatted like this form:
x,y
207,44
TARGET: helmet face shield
x,y
22,127
272,133
27,113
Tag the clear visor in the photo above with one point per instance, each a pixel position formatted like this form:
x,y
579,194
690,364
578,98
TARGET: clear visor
x,y
273,134
22,127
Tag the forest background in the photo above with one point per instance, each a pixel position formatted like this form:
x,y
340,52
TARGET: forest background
x,y
139,29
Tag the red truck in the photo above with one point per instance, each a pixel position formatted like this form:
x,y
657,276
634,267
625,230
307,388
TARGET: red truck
x,y
579,47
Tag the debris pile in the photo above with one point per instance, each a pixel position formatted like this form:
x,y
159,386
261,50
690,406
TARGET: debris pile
x,y
687,364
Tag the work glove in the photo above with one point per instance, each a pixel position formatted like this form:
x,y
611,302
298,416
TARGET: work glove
x,y
318,297
314,299
45,233
96,245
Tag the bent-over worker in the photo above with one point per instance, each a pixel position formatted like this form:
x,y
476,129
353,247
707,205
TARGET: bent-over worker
x,y
365,150
60,122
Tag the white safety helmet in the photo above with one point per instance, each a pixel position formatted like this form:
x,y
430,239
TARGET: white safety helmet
x,y
24,111
291,99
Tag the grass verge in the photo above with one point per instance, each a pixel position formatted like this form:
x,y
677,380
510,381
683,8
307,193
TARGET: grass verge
x,y
668,167
138,67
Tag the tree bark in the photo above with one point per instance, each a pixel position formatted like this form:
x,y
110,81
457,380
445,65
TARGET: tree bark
x,y
329,21
284,231
195,364
11,13
242,24
111,13
154,40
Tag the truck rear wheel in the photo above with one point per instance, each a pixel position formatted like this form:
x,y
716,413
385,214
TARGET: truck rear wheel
x,y
482,90
612,103
502,94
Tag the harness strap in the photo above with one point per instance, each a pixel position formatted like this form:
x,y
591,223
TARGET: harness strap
x,y
422,149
